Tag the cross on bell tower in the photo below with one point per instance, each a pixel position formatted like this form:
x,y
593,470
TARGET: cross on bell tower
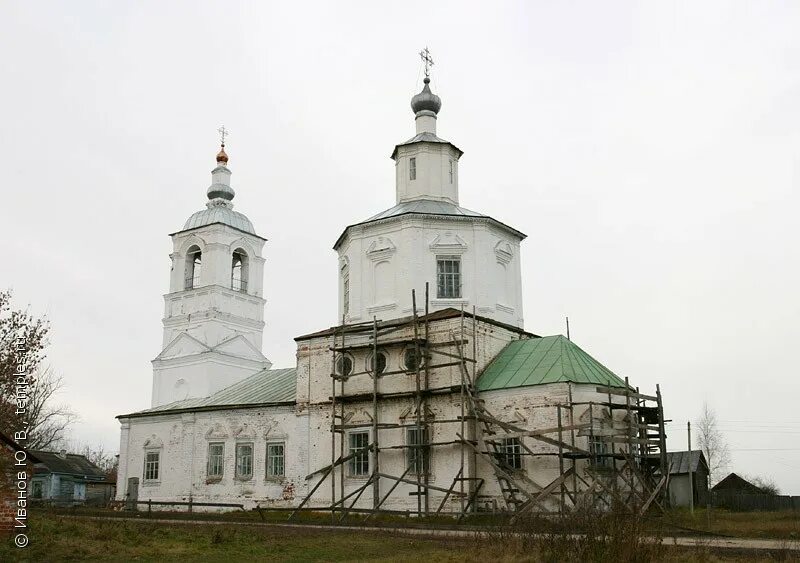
x,y
222,134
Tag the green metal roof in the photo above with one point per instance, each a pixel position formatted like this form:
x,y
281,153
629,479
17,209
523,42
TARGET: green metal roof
x,y
267,386
536,361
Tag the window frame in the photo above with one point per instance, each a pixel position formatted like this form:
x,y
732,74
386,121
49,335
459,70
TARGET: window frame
x,y
452,170
420,359
359,465
340,362
448,282
511,449
238,457
148,466
270,457
598,452
370,361
220,460
413,453
412,168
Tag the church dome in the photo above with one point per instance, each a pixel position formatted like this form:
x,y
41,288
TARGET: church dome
x,y
220,214
219,208
426,100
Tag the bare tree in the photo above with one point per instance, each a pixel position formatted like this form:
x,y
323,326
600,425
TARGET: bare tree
x,y
766,484
712,443
47,421
97,454
23,340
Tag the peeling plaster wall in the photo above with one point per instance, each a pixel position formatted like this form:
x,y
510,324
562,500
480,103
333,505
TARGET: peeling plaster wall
x,y
306,427
182,440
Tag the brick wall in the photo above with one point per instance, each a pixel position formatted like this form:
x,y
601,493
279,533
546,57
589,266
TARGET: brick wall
x,y
8,489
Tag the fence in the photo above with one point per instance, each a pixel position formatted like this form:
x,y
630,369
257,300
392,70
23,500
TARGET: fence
x,y
745,502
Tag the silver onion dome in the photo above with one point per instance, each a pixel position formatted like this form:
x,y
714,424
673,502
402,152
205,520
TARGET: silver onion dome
x,y
426,100
220,190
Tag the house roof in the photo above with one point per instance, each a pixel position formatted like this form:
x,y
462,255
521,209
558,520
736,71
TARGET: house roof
x,y
447,313
735,483
69,464
680,462
536,361
427,207
14,446
269,386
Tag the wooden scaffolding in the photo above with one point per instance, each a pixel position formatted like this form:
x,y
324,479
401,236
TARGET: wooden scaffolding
x,y
620,469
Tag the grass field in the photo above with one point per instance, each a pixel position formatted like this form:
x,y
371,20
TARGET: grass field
x,y
762,525
56,537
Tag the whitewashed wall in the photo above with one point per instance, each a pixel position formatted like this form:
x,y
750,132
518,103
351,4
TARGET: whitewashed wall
x,y
386,259
212,333
183,439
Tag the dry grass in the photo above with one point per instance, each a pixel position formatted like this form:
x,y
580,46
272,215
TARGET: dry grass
x,y
761,525
588,537
56,538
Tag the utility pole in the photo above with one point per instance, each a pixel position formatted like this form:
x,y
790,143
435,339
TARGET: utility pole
x,y
691,475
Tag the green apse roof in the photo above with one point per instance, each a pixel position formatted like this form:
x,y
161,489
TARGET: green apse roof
x,y
537,361
269,386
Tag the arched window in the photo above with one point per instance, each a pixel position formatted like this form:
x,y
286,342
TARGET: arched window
x,y
194,262
239,271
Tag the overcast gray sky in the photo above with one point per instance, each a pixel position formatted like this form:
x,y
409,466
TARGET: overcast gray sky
x,y
649,150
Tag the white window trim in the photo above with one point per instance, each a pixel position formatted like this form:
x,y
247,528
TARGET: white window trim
x,y
157,480
350,474
451,258
208,460
267,476
236,474
428,432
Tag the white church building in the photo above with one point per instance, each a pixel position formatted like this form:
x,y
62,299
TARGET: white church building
x,y
429,397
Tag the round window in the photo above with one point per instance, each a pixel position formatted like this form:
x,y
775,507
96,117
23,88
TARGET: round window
x,y
381,362
412,359
344,365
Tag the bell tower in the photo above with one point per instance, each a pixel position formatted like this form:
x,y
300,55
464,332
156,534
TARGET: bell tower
x,y
214,311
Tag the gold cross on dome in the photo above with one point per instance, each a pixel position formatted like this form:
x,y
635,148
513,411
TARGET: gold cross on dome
x,y
222,134
426,57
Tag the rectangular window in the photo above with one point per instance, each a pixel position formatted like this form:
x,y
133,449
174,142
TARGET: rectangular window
x,y
448,277
451,171
419,450
216,459
275,459
598,449
511,449
346,295
359,463
151,460
244,461
412,168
